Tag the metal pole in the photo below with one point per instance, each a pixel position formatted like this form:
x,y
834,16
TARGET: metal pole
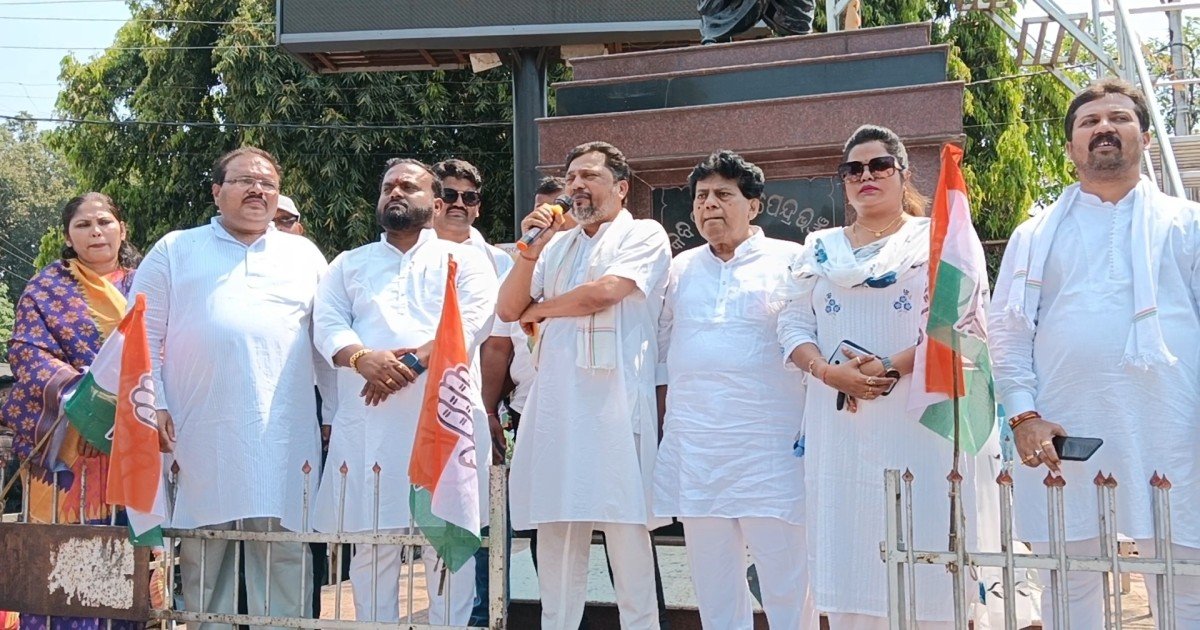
x,y
1098,33
529,104
1179,93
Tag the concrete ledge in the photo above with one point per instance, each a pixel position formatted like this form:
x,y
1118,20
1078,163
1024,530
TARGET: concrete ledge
x,y
752,51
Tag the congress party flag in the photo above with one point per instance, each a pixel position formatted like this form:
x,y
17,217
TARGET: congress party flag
x,y
952,355
445,485
113,408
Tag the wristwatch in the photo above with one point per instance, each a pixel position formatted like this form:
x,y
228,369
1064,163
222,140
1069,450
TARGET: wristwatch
x,y
889,370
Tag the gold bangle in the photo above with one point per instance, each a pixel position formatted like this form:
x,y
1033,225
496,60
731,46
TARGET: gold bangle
x,y
1020,418
356,356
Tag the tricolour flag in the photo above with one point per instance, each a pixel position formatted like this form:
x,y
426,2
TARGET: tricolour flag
x,y
953,355
113,408
445,485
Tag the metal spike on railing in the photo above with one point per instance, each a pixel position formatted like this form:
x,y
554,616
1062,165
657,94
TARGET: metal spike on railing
x,y
1005,481
910,544
1109,583
306,470
1058,548
375,548
1163,542
958,547
891,543
343,471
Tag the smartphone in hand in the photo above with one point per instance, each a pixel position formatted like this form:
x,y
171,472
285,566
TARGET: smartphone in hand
x,y
412,362
1075,449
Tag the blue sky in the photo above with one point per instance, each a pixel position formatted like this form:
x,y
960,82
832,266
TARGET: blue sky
x,y
38,69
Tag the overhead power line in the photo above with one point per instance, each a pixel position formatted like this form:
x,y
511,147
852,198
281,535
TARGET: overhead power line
x,y
123,20
272,125
135,48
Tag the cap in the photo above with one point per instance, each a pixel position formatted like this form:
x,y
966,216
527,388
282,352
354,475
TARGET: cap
x,y
287,205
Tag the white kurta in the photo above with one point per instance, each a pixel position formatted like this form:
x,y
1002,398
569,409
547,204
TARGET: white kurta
x,y
1069,369
586,447
847,453
232,323
383,298
734,405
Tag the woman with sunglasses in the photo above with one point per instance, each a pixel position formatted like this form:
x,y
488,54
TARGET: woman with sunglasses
x,y
866,284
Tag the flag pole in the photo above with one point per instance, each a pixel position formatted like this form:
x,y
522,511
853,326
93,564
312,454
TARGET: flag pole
x,y
956,523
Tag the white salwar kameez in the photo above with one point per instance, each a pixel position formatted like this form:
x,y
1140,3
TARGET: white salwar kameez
x,y
228,329
726,465
1070,368
382,298
585,451
847,453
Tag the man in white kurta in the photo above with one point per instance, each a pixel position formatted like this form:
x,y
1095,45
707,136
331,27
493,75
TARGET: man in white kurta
x,y
380,301
1095,333
728,466
586,449
228,319
462,200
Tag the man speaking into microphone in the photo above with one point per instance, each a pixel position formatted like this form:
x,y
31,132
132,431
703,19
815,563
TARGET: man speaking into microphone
x,y
589,436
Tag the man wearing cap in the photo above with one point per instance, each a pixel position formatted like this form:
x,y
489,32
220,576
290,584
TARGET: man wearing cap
x,y
287,217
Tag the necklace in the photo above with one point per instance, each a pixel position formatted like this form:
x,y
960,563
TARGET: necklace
x,y
879,233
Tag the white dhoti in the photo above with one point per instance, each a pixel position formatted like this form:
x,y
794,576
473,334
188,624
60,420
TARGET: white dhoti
x,y
290,566
563,571
1085,607
383,566
716,549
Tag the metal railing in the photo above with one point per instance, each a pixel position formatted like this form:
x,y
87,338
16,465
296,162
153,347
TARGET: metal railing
x,y
168,614
901,557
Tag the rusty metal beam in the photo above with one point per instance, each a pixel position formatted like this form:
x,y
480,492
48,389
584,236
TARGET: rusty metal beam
x,y
75,571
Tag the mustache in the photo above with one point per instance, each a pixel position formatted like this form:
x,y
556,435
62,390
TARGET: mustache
x,y
1111,137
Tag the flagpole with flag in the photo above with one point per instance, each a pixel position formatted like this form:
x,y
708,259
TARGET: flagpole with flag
x,y
444,497
114,409
952,387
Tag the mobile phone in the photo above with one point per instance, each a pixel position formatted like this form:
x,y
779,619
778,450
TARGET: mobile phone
x,y
412,362
838,357
1075,449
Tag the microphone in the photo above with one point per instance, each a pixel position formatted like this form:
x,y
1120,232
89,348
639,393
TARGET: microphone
x,y
563,204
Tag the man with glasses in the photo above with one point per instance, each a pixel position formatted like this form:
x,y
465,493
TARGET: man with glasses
x,y
228,319
287,217
375,317
462,197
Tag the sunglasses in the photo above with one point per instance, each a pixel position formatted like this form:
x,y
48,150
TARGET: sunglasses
x,y
882,166
469,197
287,221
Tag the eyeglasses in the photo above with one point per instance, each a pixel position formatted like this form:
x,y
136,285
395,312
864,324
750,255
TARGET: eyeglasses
x,y
469,197
882,166
267,185
286,221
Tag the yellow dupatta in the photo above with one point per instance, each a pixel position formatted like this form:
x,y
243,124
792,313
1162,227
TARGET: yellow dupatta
x,y
106,307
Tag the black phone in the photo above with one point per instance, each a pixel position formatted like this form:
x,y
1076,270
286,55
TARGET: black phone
x,y
412,362
838,357
1075,449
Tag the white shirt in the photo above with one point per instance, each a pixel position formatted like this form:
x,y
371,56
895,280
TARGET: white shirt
x,y
734,404
501,261
521,370
228,326
586,448
1069,369
381,298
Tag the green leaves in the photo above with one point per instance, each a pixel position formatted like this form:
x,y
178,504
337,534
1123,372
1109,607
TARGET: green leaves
x,y
159,173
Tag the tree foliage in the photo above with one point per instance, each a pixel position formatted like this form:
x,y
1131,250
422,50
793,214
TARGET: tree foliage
x,y
34,185
242,95
246,91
